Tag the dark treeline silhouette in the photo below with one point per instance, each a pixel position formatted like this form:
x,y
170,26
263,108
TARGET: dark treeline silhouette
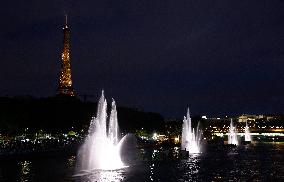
x,y
63,114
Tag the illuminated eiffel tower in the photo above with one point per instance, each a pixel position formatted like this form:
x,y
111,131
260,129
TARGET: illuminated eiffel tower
x,y
65,87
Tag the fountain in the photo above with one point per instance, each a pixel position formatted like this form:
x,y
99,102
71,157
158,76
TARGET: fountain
x,y
247,133
232,136
191,138
101,149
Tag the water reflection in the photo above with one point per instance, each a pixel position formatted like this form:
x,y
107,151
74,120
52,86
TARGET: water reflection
x,y
71,161
261,162
176,153
25,170
152,172
101,176
190,167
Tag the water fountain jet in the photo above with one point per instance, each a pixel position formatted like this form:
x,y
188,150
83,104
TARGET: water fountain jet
x,y
191,139
232,135
247,133
101,149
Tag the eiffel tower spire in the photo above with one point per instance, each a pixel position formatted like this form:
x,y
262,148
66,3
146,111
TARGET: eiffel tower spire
x,y
66,21
65,81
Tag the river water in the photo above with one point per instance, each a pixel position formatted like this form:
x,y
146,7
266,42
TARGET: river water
x,y
254,162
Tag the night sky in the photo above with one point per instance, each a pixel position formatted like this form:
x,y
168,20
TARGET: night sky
x,y
217,57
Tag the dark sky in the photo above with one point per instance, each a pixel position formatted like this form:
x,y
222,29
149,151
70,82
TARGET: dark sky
x,y
217,57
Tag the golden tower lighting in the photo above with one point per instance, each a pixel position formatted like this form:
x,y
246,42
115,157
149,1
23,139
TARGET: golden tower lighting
x,y
65,81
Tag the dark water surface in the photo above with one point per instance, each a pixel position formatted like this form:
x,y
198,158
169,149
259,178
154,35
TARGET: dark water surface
x,y
255,162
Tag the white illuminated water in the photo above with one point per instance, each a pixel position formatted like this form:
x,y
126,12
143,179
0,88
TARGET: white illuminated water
x,y
191,139
101,149
247,133
232,135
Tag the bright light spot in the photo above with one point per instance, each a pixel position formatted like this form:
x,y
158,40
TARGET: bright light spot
x,y
155,136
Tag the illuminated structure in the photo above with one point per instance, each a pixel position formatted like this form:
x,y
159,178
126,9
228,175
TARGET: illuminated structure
x,y
65,81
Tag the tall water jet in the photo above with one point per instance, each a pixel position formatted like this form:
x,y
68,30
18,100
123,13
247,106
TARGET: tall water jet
x,y
247,133
191,138
232,135
101,149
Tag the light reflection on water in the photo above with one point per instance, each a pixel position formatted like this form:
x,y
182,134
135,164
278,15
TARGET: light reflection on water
x,y
25,173
71,161
254,162
261,162
101,176
189,168
152,172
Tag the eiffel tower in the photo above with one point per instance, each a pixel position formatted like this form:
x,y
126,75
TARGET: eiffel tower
x,y
65,87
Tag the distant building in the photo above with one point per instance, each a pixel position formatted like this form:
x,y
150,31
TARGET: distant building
x,y
65,87
249,117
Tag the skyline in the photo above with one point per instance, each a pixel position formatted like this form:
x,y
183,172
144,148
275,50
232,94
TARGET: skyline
x,y
215,58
